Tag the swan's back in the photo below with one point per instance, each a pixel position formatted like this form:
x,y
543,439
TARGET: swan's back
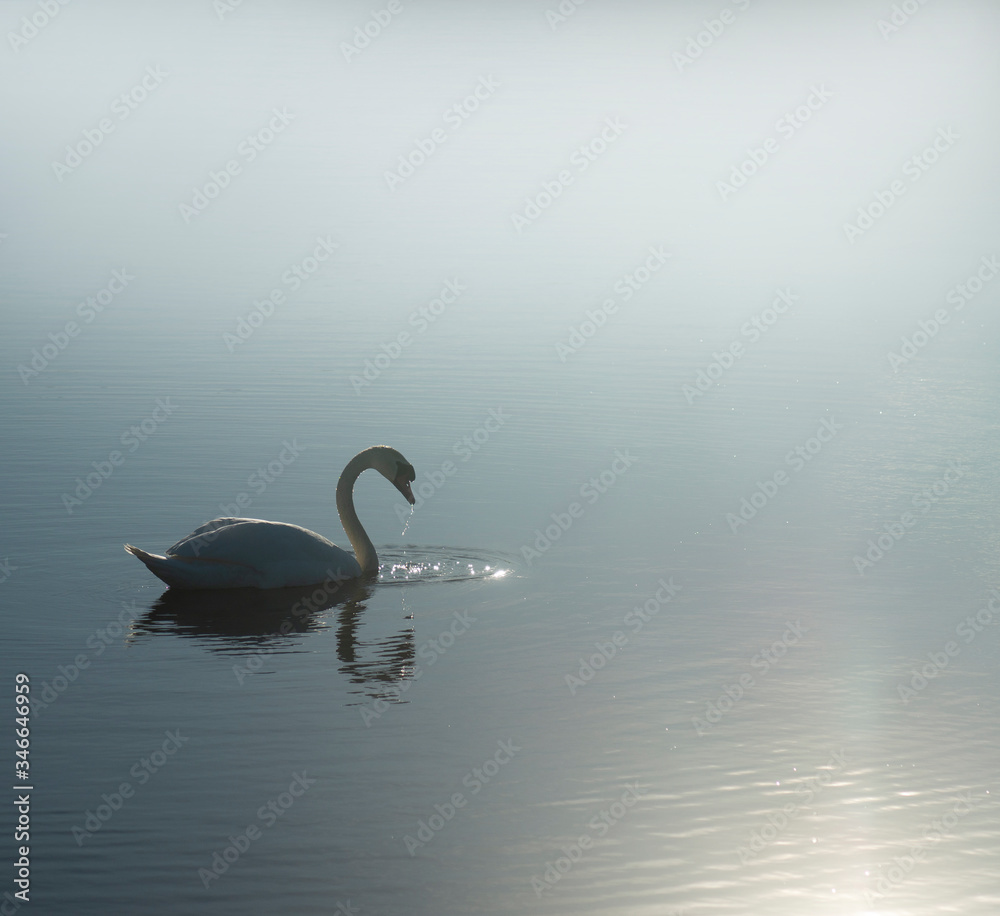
x,y
246,540
232,552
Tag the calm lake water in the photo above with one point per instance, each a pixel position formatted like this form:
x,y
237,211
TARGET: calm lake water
x,y
686,318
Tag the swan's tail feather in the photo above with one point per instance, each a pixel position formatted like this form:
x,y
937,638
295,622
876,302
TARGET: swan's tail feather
x,y
158,566
191,572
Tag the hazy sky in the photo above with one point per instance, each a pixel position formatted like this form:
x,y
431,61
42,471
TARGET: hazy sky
x,y
743,137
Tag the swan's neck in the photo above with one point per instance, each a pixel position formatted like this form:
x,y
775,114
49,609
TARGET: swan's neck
x,y
364,549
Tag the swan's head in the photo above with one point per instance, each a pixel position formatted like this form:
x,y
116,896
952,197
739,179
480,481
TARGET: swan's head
x,y
394,468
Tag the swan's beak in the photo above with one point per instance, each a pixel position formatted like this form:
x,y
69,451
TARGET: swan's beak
x,y
402,483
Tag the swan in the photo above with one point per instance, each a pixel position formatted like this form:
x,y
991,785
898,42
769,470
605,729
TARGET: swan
x,y
250,552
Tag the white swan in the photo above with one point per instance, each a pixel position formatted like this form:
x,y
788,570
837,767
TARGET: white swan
x,y
249,552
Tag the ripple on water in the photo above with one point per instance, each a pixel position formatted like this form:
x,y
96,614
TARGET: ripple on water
x,y
410,564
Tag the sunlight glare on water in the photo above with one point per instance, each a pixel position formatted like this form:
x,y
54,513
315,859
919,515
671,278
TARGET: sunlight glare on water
x,y
418,564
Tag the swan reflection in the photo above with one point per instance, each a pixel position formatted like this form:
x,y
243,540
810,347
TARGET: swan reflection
x,y
242,618
251,624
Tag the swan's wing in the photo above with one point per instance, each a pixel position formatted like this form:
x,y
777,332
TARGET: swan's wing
x,y
274,549
208,528
189,572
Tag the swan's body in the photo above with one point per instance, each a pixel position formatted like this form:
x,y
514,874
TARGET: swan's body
x,y
250,552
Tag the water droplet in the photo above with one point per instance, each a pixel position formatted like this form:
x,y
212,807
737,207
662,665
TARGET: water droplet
x,y
409,518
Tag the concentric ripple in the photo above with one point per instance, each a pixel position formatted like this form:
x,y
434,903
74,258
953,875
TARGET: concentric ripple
x,y
409,564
